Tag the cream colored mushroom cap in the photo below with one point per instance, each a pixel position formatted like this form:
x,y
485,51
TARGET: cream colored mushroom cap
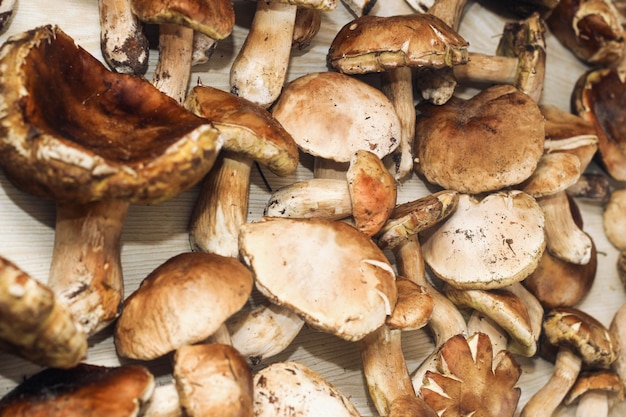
x,y
488,243
328,272
332,115
613,220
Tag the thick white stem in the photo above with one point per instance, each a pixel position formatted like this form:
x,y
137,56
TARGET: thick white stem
x,y
173,70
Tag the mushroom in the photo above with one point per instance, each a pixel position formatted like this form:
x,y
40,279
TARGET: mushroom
x,y
118,391
106,140
213,379
591,30
359,7
7,8
177,23
335,265
487,243
368,194
123,44
581,339
164,402
307,24
395,44
613,219
488,142
164,313
250,134
35,325
594,391
259,70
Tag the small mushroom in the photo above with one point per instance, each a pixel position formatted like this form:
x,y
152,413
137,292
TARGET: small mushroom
x,y
99,391
594,391
307,25
164,313
581,339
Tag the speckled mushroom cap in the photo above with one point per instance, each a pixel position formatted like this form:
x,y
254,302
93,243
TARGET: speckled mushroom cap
x,y
214,18
72,130
332,115
98,391
314,265
181,302
488,142
374,44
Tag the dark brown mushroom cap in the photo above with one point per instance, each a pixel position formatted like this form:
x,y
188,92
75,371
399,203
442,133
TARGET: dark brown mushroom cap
x,y
214,18
84,390
248,128
599,97
490,141
374,44
72,130
581,332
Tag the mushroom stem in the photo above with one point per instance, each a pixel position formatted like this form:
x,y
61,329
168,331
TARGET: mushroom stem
x,y
450,11
86,270
172,72
545,401
593,403
487,68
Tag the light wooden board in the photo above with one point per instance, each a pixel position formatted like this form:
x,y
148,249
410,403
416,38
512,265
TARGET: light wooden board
x,y
152,234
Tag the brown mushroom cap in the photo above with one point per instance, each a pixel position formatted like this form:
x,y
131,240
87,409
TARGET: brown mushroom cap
x,y
332,115
602,380
72,130
83,390
165,312
491,141
314,265
413,308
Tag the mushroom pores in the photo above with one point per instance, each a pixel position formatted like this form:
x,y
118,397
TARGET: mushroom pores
x,y
72,130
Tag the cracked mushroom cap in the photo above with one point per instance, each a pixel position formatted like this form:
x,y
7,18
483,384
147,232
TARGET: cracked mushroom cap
x,y
332,115
375,44
487,243
488,142
248,128
166,313
214,18
84,390
314,265
72,130
35,325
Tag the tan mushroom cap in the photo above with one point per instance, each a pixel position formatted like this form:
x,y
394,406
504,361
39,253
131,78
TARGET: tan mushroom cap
x,y
613,220
555,172
165,312
413,308
247,128
332,115
213,379
602,380
488,142
105,136
215,18
314,265
374,44
487,243
84,390
35,325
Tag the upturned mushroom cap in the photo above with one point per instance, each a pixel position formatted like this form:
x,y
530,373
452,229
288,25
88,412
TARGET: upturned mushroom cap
x,y
487,243
72,130
314,265
332,115
165,312
213,379
488,142
375,44
35,325
80,391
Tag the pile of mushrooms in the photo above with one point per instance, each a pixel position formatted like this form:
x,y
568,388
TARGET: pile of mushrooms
x,y
338,251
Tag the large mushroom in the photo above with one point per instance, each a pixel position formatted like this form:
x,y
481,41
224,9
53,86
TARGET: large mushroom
x,y
94,141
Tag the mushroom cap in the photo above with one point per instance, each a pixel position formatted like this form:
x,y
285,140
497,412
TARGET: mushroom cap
x,y
487,243
376,43
602,380
613,219
581,332
247,128
332,115
488,142
35,325
314,265
555,172
165,312
214,18
213,379
598,97
72,130
83,390
413,308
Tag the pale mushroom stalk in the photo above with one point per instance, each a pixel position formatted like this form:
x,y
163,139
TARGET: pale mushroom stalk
x,y
450,11
618,331
122,41
173,69
86,269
